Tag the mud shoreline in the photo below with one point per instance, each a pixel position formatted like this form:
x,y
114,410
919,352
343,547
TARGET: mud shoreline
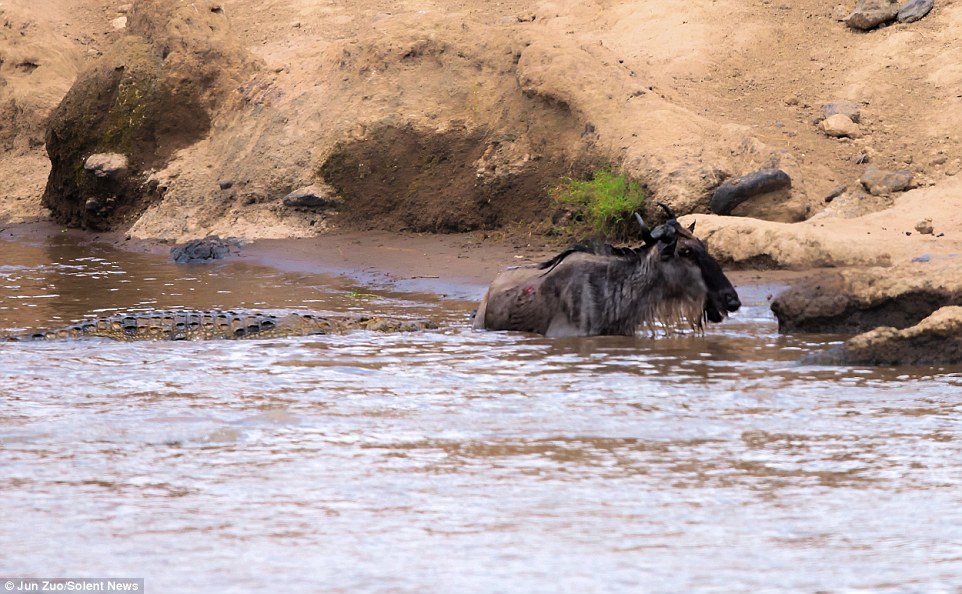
x,y
452,266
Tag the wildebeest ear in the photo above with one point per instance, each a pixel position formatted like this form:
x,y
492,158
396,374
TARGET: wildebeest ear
x,y
692,226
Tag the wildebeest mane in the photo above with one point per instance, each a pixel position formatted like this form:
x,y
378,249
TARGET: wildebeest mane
x,y
594,248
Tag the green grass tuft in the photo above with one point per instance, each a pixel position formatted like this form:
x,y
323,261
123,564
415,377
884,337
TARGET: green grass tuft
x,y
606,202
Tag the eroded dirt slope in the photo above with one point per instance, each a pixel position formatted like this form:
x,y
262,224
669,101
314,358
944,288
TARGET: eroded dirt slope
x,y
455,115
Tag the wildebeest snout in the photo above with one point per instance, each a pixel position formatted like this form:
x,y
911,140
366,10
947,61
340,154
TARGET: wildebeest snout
x,y
732,302
720,302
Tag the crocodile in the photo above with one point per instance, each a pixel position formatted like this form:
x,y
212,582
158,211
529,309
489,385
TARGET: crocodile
x,y
217,324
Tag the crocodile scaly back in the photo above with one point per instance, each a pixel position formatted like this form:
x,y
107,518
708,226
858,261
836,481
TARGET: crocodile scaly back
x,y
217,324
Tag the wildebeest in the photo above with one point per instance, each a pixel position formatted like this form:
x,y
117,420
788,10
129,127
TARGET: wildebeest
x,y
604,290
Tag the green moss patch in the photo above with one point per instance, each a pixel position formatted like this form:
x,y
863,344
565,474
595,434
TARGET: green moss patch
x,y
605,203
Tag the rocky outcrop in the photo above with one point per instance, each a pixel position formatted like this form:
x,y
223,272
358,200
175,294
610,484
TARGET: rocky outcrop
x,y
853,301
935,340
151,95
908,315
851,231
753,243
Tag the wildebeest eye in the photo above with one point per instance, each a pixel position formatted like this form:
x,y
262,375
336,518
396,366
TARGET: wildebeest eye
x,y
686,252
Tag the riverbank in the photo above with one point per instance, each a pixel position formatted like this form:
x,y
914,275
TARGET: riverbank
x,y
455,266
429,116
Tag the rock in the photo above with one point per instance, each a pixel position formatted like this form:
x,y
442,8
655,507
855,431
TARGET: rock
x,y
925,227
840,13
119,23
313,196
839,126
855,203
882,181
831,239
152,94
202,250
844,107
781,206
106,164
869,14
954,167
757,244
923,259
859,300
736,190
914,10
935,340
225,184
835,192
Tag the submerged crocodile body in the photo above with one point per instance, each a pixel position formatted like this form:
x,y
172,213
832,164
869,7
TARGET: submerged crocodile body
x,y
216,324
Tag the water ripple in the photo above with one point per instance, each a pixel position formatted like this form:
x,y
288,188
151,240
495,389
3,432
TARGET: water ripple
x,y
463,461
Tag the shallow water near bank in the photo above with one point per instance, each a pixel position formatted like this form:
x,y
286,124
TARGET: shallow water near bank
x,y
454,460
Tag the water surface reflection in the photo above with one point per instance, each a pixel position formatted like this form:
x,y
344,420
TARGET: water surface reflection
x,y
456,460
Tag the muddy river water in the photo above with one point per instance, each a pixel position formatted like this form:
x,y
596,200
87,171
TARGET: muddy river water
x,y
453,460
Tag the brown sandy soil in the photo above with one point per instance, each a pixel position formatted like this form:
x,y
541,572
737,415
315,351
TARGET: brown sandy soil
x,y
429,115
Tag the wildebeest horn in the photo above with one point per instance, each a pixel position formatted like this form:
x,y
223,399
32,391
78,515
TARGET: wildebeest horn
x,y
668,210
645,231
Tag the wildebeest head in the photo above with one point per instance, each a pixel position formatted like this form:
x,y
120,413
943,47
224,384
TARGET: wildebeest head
x,y
683,253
